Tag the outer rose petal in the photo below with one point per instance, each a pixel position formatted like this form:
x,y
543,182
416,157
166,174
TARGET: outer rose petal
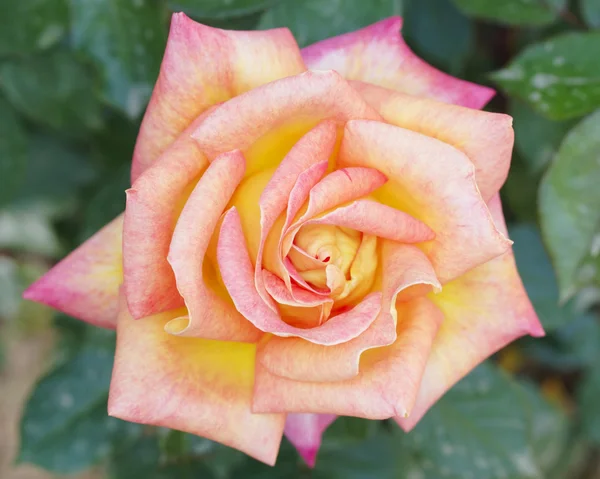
x,y
305,431
486,138
294,106
198,386
153,204
377,54
86,283
210,316
434,183
484,310
203,66
386,386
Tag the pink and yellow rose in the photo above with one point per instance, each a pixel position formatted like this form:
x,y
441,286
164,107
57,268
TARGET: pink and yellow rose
x,y
309,233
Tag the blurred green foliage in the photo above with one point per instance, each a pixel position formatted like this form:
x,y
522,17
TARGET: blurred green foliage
x,y
75,76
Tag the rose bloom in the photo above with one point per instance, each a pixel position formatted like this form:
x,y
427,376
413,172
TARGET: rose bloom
x,y
309,233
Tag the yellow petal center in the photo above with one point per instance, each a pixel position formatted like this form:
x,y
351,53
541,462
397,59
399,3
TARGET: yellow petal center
x,y
339,259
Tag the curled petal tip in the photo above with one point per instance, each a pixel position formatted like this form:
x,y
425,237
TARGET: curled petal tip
x,y
177,325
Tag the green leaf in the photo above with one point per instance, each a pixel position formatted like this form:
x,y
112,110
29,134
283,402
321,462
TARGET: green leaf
x,y
29,229
549,428
126,39
65,427
174,444
514,12
350,430
569,201
439,33
140,460
559,78
590,10
218,458
107,202
536,138
520,192
13,152
220,8
55,90
314,20
479,429
569,348
382,456
27,26
10,288
143,460
538,277
288,466
56,172
587,398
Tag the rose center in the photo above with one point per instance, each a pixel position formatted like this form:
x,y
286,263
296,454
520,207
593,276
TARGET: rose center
x,y
335,259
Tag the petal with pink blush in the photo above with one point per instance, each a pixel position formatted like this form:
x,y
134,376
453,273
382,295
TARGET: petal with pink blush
x,y
199,386
433,182
486,138
386,385
203,66
295,105
301,360
238,275
86,283
153,204
209,316
484,310
305,431
376,219
312,149
404,267
378,54
300,192
300,307
341,186
277,289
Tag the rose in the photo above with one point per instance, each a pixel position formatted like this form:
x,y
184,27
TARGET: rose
x,y
300,246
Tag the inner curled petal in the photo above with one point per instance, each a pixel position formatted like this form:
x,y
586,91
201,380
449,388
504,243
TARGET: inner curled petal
x,y
335,259
329,245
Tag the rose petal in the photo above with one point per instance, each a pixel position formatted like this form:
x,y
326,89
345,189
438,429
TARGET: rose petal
x,y
376,219
199,386
295,105
305,431
210,316
276,288
203,66
238,276
312,149
386,386
153,204
486,138
298,196
339,187
300,307
404,267
377,54
301,360
433,182
484,310
86,283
